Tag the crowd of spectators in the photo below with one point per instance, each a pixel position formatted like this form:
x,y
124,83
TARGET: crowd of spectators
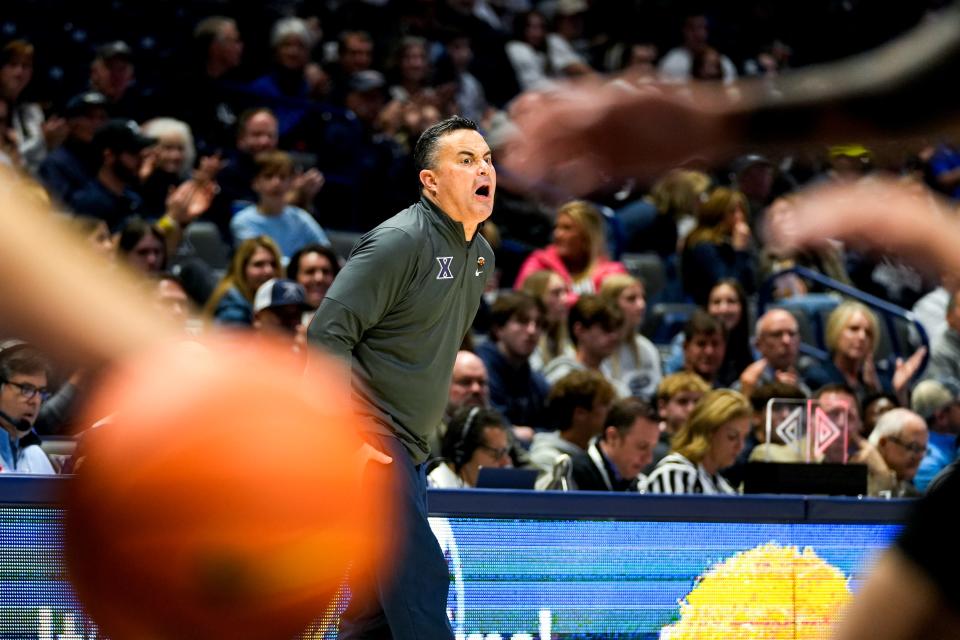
x,y
232,154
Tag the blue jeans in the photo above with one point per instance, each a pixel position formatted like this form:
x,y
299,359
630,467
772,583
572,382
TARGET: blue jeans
x,y
407,594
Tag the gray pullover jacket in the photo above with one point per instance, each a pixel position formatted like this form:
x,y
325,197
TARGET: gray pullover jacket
x,y
398,312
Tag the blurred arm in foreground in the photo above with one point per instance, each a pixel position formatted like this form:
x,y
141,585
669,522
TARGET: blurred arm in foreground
x,y
591,132
584,133
68,300
919,572
64,298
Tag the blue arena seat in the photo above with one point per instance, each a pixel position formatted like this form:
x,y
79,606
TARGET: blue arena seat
x,y
665,320
202,240
343,241
649,269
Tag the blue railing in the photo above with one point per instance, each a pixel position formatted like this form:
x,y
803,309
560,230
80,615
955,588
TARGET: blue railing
x,y
888,313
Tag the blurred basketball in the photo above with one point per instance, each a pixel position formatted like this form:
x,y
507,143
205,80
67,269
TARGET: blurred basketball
x,y
222,498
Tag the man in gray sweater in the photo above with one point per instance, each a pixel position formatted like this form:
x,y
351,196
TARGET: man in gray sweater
x,y
398,312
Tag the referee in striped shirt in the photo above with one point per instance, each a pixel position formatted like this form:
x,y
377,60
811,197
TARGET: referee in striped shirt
x,y
709,441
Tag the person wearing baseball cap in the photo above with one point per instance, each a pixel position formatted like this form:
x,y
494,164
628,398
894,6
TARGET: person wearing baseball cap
x,y
278,308
111,196
72,165
122,135
85,103
118,49
111,72
937,402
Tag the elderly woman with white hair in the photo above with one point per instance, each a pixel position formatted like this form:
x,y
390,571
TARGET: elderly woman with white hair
x,y
174,152
167,164
173,191
290,82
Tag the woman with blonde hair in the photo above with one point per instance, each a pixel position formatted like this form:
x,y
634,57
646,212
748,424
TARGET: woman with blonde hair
x,y
708,442
255,261
548,287
719,247
851,335
577,253
636,362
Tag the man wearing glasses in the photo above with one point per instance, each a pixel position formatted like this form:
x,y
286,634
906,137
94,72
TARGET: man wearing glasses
x,y
23,388
778,342
901,438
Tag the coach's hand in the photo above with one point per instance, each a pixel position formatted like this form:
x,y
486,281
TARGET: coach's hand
x,y
369,454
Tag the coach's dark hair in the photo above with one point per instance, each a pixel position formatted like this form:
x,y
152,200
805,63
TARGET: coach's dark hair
x,y
425,153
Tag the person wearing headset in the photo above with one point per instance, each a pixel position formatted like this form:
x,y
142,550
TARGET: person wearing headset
x,y
475,438
23,388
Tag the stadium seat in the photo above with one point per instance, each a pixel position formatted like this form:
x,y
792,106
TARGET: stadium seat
x,y
665,320
343,241
649,269
203,240
811,312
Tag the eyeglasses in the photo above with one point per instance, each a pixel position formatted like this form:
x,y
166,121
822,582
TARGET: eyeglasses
x,y
28,391
911,447
781,334
498,454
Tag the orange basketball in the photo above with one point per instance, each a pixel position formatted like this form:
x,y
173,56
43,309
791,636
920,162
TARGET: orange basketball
x,y
223,497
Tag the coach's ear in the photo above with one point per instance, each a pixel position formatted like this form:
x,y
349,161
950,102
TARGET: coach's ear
x,y
429,180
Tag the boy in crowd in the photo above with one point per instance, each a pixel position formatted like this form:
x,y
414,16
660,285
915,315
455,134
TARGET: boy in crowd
x,y
289,226
676,397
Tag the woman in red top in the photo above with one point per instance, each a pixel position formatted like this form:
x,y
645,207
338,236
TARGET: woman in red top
x,y
578,252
